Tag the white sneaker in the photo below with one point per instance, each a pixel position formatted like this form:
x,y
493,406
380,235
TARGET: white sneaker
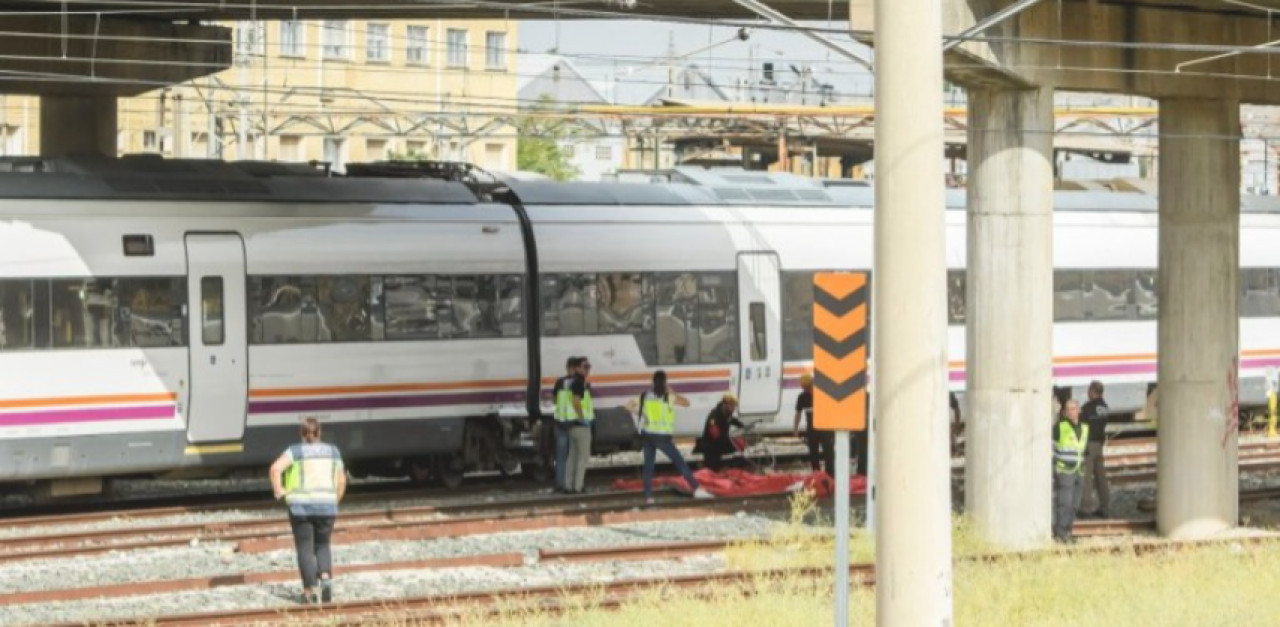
x,y
701,493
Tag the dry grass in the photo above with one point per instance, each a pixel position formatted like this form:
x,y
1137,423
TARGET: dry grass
x,y
1228,585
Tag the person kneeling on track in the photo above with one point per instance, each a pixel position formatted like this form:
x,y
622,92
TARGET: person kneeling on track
x,y
312,480
715,442
657,416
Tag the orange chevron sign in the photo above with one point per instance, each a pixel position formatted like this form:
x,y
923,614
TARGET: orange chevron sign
x,y
840,314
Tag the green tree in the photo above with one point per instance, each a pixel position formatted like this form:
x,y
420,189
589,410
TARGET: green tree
x,y
544,155
538,140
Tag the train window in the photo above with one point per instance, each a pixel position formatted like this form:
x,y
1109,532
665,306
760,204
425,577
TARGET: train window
x,y
797,315
626,306
1107,294
377,309
511,305
957,283
759,339
1068,295
83,314
139,246
150,312
549,292
474,305
211,319
1259,293
717,317
677,318
344,314
17,325
414,305
283,310
1144,294
42,303
569,305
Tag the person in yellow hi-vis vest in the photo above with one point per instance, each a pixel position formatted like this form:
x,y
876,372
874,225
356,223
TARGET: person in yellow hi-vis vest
x,y
1069,441
579,415
657,411
312,480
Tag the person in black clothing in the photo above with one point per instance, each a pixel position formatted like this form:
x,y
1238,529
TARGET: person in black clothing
x,y
957,424
821,446
1095,414
715,442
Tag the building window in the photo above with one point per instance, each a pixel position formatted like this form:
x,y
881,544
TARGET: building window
x,y
376,36
375,148
336,39
604,153
293,38
291,148
416,45
457,47
249,38
415,148
495,156
149,141
495,51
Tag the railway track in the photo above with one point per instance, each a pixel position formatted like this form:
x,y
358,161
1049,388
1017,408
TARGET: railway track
x,y
410,523
490,604
259,499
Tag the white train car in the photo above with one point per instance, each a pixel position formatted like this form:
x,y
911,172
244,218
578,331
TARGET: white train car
x,y
162,317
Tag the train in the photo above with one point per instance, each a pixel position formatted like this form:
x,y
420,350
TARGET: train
x,y
170,318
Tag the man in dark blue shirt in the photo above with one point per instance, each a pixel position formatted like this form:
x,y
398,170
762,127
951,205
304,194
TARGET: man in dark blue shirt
x,y
1095,414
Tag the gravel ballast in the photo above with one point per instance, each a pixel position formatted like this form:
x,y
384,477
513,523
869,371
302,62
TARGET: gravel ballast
x,y
213,559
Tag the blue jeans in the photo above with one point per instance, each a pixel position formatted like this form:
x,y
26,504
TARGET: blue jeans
x,y
562,453
653,443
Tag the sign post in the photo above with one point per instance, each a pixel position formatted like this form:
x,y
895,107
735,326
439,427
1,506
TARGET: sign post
x,y
840,341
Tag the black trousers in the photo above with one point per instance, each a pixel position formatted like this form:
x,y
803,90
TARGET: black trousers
x,y
821,450
311,538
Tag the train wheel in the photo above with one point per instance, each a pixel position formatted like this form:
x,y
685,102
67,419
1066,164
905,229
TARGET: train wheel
x,y
509,466
420,470
449,471
537,472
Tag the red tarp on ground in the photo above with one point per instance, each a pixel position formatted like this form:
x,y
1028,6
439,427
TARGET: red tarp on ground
x,y
737,482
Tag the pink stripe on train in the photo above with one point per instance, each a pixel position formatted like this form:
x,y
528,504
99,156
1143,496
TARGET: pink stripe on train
x,y
89,414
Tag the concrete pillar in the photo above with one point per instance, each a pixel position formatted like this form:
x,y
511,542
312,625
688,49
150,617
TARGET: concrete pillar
x,y
1197,490
909,320
77,124
1009,316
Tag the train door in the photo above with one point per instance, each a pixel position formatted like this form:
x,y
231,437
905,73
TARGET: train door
x,y
217,337
760,333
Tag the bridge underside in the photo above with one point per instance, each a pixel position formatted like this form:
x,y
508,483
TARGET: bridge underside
x,y
466,9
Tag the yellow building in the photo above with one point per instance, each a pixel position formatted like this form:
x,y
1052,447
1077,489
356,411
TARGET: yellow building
x,y
328,90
